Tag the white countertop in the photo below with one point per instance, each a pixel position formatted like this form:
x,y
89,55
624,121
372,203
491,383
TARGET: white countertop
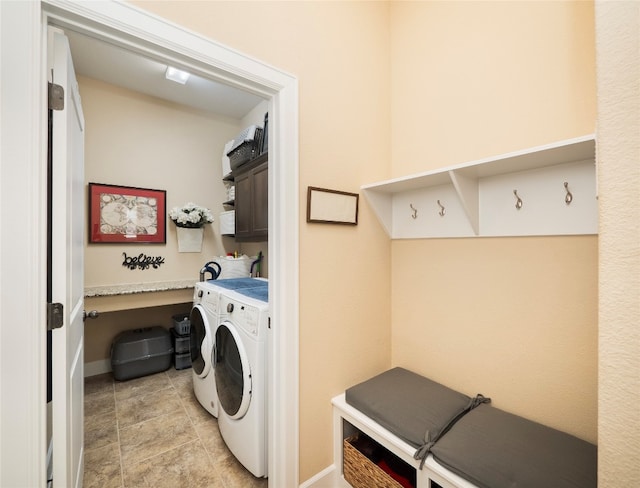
x,y
132,288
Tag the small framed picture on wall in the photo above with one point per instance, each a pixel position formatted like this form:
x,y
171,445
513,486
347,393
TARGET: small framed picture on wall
x,y
332,206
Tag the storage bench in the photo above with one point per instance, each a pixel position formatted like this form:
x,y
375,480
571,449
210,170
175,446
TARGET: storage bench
x,y
484,447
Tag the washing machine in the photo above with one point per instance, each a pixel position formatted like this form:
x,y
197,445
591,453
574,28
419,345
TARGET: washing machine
x,y
205,316
204,319
241,376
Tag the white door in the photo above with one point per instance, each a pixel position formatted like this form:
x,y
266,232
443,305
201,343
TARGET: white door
x,y
67,268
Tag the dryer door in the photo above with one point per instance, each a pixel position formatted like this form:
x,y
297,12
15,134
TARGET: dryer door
x,y
232,371
201,341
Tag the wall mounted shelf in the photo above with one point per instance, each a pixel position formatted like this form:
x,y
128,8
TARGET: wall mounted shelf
x,y
112,298
545,190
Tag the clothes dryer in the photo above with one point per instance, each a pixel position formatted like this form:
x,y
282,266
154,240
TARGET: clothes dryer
x,y
241,376
205,316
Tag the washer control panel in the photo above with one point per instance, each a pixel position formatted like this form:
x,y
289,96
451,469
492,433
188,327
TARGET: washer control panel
x,y
244,316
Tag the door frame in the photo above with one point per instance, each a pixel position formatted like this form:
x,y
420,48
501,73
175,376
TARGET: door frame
x,y
23,422
23,260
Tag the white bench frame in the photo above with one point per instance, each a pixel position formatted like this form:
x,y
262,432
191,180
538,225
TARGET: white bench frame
x,y
431,471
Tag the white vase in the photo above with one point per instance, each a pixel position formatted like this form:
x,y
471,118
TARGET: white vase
x,y
190,240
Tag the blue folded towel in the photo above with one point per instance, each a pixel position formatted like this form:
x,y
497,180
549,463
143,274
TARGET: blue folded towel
x,y
259,293
239,283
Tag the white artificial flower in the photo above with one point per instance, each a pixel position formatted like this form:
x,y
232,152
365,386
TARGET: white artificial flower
x,y
191,215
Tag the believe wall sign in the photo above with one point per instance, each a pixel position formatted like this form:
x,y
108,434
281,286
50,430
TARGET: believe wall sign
x,y
142,261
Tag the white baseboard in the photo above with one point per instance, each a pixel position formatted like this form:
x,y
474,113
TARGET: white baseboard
x,y
97,367
327,478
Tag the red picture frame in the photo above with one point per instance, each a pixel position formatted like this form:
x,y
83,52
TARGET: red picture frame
x,y
126,214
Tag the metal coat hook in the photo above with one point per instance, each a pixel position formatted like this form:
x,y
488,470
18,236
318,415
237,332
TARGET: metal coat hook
x,y
569,196
414,215
442,211
518,200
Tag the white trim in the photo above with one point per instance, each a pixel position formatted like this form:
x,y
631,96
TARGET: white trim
x,y
95,368
283,286
141,31
325,478
23,461
23,421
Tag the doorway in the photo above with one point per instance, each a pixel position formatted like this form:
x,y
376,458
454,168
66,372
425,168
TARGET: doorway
x,y
145,131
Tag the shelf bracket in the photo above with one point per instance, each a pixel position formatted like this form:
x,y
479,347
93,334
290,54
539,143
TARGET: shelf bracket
x,y
469,195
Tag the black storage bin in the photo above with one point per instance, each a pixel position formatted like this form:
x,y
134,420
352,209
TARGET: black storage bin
x,y
183,361
181,342
140,352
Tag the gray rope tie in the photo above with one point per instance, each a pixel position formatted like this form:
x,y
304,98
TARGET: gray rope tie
x,y
477,401
423,451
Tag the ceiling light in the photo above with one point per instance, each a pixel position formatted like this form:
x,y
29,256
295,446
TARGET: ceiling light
x,y
179,76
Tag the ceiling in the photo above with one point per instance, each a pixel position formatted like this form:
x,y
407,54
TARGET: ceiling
x,y
100,60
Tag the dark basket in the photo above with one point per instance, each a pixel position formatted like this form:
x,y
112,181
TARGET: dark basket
x,y
181,323
246,151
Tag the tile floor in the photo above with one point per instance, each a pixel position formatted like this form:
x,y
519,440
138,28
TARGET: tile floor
x,y
152,432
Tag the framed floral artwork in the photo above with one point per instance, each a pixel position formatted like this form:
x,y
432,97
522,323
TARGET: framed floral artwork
x,y
125,214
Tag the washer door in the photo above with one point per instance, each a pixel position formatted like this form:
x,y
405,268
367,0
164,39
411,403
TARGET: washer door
x,y
201,341
232,371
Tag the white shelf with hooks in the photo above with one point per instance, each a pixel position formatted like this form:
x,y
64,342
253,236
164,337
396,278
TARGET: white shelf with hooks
x,y
480,198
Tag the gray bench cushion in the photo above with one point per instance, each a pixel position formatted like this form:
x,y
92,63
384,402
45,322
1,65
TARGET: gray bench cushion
x,y
495,449
414,408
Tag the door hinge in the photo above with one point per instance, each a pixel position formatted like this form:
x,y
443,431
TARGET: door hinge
x,y
55,316
56,97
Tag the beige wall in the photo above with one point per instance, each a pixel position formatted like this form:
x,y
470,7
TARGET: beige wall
x,y
516,318
512,318
618,45
137,140
478,79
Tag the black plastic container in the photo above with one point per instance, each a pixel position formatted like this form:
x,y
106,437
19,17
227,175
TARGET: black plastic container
x,y
182,361
181,342
141,352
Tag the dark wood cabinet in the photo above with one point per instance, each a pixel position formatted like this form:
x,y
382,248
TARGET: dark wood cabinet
x,y
251,200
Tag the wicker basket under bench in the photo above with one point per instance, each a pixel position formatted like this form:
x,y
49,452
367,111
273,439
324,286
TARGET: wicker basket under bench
x,y
362,472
